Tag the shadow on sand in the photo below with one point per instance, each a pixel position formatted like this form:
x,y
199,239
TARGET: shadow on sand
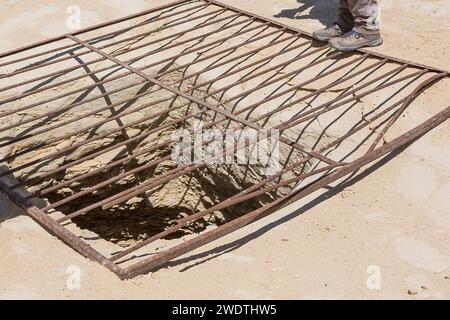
x,y
322,10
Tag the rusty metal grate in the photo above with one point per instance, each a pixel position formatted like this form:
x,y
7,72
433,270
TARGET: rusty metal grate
x,y
142,75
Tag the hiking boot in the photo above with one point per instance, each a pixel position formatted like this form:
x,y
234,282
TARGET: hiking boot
x,y
354,40
328,33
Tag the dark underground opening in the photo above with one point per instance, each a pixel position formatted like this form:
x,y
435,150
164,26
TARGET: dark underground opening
x,y
158,208
155,210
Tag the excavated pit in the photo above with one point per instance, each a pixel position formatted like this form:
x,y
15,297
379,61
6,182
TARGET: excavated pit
x,y
157,209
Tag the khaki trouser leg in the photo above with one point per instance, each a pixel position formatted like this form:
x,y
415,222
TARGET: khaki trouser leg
x,y
362,15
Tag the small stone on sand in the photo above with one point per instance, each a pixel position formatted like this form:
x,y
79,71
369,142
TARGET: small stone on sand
x,y
412,292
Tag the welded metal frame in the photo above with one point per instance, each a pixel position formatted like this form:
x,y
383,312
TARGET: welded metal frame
x,y
332,171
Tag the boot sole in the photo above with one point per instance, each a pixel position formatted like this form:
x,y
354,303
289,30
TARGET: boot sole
x,y
374,43
323,39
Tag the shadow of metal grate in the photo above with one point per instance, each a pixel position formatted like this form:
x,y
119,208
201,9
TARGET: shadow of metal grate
x,y
118,88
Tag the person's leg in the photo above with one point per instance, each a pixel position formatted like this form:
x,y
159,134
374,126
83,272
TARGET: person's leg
x,y
366,31
345,17
366,14
343,24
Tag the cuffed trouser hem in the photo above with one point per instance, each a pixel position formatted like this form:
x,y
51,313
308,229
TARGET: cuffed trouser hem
x,y
363,30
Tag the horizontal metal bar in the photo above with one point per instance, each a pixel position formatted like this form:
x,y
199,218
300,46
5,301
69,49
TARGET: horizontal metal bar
x,y
148,165
128,193
171,123
256,104
110,181
273,81
340,97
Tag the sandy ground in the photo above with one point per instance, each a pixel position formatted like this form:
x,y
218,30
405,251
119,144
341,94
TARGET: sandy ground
x,y
395,222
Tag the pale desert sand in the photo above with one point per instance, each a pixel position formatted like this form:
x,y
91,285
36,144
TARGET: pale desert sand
x,y
397,218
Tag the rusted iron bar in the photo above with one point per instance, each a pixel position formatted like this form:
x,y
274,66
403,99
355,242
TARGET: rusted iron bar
x,y
255,105
109,80
97,154
62,233
326,107
367,121
152,183
59,110
52,62
74,147
405,105
70,134
84,101
243,55
315,112
297,87
148,165
96,27
108,182
58,50
103,36
292,28
104,81
372,67
84,64
279,109
391,146
54,204
232,201
69,107
167,143
284,76
93,112
110,201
